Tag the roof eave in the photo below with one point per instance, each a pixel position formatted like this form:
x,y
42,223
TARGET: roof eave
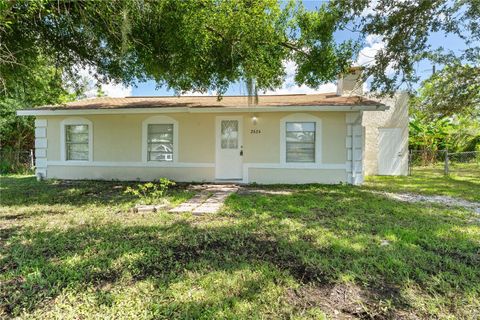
x,y
303,108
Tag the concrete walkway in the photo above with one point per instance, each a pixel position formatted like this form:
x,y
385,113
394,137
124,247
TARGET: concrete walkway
x,y
209,199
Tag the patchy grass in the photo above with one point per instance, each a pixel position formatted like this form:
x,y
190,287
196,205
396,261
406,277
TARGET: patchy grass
x,y
463,182
71,250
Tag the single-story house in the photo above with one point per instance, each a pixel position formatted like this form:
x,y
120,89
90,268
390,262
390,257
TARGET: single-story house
x,y
318,138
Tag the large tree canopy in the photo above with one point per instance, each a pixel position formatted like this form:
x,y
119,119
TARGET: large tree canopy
x,y
442,95
187,45
406,28
207,44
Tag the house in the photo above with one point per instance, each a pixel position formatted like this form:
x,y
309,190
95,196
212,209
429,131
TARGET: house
x,y
319,138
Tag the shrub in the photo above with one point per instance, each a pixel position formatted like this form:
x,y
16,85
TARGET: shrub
x,y
15,161
151,192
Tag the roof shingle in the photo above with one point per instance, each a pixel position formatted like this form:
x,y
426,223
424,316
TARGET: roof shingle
x,y
330,99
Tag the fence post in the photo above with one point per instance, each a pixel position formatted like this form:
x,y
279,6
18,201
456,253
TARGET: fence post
x,y
32,161
409,162
446,163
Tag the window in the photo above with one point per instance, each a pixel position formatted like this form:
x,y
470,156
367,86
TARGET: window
x,y
160,142
77,142
229,134
300,141
76,139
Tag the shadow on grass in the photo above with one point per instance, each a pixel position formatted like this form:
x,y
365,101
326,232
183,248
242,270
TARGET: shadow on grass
x,y
25,190
317,237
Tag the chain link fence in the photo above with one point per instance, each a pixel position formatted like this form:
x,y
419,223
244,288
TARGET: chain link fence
x,y
17,161
444,162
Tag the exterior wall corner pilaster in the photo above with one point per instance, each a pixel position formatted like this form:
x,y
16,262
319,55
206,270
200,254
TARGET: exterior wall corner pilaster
x,y
41,144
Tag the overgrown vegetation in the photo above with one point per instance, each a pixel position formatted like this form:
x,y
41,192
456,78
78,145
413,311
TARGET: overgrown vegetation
x,y
151,192
437,123
39,83
429,139
72,249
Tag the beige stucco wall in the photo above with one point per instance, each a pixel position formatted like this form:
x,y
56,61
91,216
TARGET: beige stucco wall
x,y
118,139
132,173
297,176
395,117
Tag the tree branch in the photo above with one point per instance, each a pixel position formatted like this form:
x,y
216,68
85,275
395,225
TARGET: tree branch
x,y
293,47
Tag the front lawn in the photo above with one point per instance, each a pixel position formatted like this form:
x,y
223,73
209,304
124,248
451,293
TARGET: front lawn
x,y
73,250
463,181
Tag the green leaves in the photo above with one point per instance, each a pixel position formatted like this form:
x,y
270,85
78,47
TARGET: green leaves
x,y
406,28
205,45
453,90
150,192
446,113
37,83
457,134
321,60
197,45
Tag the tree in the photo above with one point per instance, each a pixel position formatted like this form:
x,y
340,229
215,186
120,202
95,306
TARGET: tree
x,y
39,84
445,114
453,90
188,45
405,28
205,45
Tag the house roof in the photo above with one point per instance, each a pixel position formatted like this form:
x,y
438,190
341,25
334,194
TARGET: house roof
x,y
211,103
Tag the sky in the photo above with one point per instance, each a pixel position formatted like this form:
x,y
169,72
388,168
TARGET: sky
x,y
372,45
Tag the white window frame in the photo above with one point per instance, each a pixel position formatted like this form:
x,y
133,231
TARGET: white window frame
x,y
300,117
63,140
159,120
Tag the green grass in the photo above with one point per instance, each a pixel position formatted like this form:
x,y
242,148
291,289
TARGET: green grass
x,y
463,182
72,250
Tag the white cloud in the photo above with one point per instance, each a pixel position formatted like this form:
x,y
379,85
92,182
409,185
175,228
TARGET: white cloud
x,y
374,44
110,89
370,8
116,90
290,87
198,94
366,57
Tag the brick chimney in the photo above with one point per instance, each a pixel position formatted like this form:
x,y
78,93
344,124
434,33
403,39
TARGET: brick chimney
x,y
350,83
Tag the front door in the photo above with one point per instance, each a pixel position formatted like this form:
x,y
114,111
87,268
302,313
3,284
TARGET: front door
x,y
229,148
390,155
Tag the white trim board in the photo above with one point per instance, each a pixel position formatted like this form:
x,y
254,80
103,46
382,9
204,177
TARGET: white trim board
x,y
63,112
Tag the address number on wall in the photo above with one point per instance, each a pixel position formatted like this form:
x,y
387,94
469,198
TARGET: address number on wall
x,y
255,131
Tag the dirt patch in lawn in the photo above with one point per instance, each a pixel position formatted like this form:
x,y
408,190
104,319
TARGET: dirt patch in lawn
x,y
248,191
348,301
443,200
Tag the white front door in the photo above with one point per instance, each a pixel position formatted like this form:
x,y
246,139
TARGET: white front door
x,y
229,148
390,151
